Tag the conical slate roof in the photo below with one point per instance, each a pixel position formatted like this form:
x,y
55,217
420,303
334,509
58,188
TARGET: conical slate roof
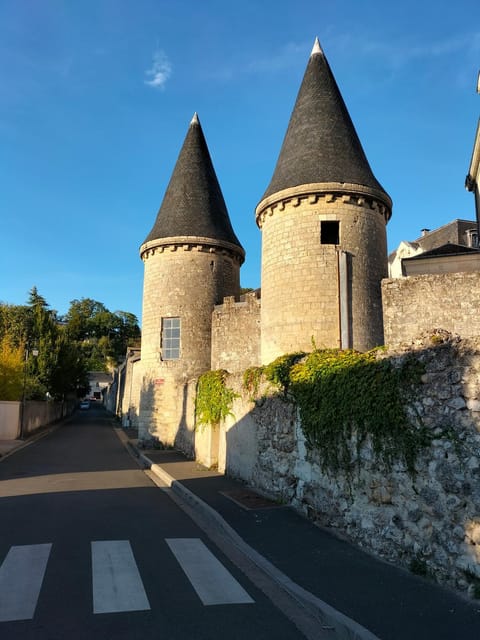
x,y
193,204
321,144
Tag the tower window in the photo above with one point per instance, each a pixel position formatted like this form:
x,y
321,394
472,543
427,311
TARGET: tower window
x,y
170,338
329,232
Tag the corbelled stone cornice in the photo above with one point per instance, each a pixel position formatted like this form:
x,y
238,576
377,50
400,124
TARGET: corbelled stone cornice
x,y
331,191
191,243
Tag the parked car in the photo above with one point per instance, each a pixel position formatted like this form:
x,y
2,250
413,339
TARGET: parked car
x,y
84,404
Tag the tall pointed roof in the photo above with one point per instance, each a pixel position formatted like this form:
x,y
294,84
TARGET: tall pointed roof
x,y
193,204
321,144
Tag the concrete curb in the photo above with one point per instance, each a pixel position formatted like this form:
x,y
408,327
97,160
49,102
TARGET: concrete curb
x,y
346,628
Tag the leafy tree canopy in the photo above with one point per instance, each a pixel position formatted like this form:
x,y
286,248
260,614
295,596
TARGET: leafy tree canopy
x,y
55,354
103,335
11,369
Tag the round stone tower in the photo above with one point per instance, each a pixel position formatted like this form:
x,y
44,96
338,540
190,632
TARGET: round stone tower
x,y
192,260
323,221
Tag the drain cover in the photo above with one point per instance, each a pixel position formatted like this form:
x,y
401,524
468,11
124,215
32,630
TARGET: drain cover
x,y
249,499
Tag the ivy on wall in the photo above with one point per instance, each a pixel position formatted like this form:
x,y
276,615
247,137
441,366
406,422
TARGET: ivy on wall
x,y
213,401
252,377
346,398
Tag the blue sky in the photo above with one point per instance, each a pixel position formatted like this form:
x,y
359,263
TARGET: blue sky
x,y
97,97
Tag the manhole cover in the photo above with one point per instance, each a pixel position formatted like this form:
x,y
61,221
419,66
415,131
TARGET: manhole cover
x,y
249,499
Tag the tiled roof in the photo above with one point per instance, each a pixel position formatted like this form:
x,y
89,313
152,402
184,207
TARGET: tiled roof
x,y
321,144
193,204
444,250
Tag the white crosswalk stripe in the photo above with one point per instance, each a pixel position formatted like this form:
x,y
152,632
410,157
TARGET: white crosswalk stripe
x,y
212,582
117,585
21,577
116,582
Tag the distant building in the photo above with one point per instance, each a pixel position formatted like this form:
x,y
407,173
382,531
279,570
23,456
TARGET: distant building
x,y
448,258
98,381
433,251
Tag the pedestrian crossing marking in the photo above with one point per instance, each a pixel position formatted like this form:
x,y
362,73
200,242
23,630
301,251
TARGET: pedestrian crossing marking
x,y
116,582
212,582
21,577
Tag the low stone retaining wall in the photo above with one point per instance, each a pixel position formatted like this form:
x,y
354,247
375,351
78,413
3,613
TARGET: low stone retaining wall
x,y
430,522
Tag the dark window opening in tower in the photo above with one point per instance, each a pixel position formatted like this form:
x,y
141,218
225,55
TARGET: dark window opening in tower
x,y
329,232
170,340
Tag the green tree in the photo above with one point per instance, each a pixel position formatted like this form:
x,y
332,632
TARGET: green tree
x,y
69,375
14,322
42,341
102,336
56,356
11,369
50,362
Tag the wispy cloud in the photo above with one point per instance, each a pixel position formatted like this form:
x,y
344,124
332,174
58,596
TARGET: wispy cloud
x,y
160,71
399,54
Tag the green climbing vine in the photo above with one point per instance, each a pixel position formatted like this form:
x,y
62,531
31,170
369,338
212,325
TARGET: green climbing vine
x,y
213,401
278,371
346,398
252,378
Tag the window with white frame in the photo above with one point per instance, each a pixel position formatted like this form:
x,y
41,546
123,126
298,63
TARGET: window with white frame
x,y
170,341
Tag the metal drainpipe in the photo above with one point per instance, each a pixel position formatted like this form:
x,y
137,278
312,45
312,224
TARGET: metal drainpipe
x,y
339,288
343,302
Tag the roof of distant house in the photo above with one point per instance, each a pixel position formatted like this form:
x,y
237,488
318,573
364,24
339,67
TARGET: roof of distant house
x,y
445,249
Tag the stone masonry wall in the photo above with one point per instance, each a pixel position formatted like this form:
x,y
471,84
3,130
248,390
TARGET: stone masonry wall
x,y
183,280
131,394
236,334
300,299
432,520
413,305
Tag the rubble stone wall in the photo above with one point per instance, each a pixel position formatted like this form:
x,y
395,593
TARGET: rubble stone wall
x,y
430,521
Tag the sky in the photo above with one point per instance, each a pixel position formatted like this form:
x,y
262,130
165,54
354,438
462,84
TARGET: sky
x,y
97,97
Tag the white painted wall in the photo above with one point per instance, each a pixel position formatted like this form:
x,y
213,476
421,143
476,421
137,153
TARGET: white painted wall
x,y
9,420
37,414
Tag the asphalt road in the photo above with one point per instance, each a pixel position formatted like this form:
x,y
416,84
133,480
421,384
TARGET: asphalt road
x,y
91,549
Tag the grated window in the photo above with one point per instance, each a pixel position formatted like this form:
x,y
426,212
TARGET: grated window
x,y
170,338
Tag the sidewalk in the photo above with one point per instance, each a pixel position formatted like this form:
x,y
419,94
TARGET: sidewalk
x,y
390,602
7,446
